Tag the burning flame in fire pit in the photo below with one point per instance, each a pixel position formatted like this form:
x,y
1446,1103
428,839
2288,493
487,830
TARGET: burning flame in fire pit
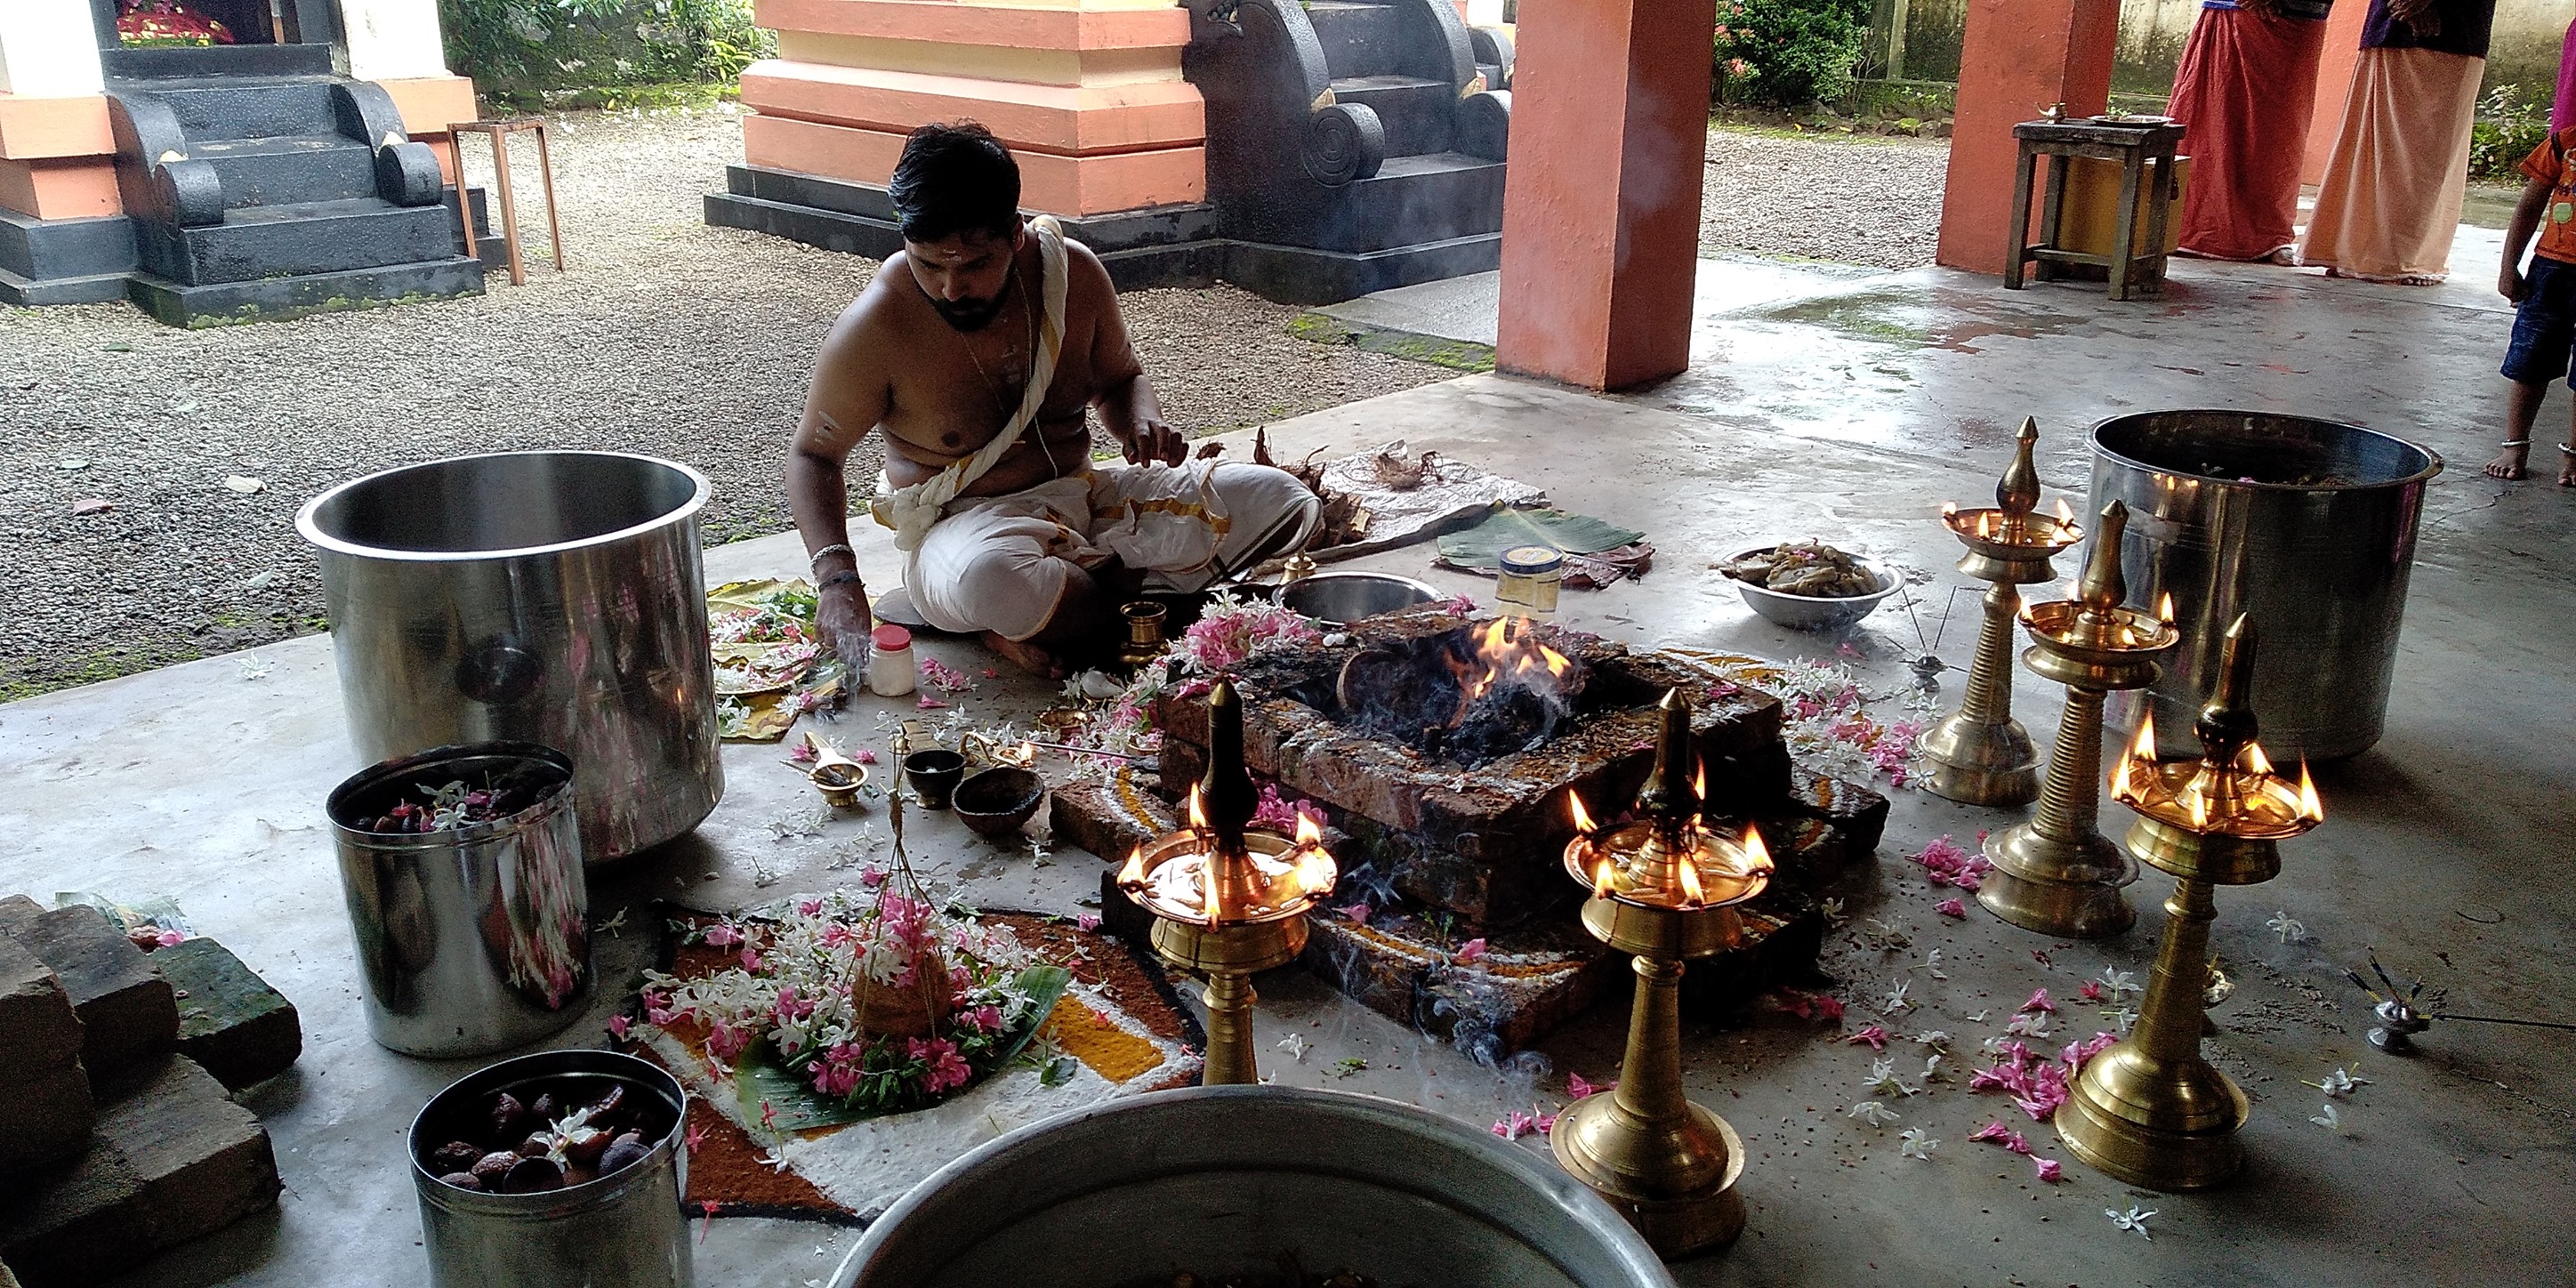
x,y
1500,656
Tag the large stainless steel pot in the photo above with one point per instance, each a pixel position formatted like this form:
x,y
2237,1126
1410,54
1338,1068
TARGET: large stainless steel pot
x,y
548,597
1224,1180
2306,525
471,939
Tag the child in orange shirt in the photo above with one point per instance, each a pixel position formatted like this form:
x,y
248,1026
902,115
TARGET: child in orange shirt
x,y
2544,318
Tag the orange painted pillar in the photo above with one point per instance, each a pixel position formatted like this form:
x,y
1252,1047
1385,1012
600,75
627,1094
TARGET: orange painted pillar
x,y
2334,85
1601,206
2018,57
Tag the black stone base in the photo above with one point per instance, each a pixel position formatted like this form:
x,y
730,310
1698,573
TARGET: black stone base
x,y
278,298
215,60
64,261
1159,246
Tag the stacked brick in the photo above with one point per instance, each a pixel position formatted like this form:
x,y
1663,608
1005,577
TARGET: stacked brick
x,y
114,1141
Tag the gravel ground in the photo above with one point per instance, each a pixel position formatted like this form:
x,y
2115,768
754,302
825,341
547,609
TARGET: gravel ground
x,y
668,337
1868,200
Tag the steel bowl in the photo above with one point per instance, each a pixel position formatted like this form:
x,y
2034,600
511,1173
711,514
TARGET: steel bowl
x,y
1814,612
1221,1181
1340,598
995,803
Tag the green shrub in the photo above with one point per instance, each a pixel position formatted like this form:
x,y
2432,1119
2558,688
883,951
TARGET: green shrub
x,y
522,46
1788,53
2506,130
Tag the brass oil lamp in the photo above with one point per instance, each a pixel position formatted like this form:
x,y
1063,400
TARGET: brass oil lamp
x,y
2150,1110
2057,874
1229,900
1979,754
1664,889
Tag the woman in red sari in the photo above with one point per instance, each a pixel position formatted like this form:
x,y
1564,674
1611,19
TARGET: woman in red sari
x,y
2247,81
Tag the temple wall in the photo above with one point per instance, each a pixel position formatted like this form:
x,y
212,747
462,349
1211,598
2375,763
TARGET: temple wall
x,y
1088,93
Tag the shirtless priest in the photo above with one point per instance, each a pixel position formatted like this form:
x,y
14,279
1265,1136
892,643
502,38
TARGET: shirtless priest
x,y
978,352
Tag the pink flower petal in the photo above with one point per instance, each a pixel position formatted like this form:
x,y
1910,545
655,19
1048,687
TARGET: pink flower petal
x,y
1952,908
1087,921
864,756
2091,992
2039,1002
929,703
1994,1130
2049,1169
1578,1087
1875,1036
1472,950
1357,912
617,1027
1828,1007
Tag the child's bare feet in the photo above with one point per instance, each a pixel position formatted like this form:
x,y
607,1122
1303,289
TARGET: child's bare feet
x,y
2509,462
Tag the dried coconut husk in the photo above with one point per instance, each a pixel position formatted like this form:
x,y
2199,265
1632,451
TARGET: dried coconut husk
x,y
915,1010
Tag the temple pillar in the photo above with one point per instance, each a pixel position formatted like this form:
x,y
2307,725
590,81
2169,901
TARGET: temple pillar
x,y
2334,85
2018,57
57,158
1601,207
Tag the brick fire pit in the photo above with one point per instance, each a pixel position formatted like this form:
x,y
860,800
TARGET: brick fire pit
x,y
1459,851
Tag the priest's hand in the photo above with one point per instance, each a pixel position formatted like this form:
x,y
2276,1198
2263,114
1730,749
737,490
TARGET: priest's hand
x,y
1156,441
841,615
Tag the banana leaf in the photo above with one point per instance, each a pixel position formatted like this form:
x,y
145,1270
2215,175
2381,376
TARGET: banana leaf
x,y
1482,545
759,1078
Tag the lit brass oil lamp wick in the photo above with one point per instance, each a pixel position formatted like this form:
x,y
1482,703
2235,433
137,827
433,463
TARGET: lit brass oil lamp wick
x,y
1980,755
1229,900
2057,874
1665,889
2150,1110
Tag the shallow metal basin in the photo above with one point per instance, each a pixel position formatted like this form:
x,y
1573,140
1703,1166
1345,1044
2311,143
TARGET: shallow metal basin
x,y
1225,1180
1341,598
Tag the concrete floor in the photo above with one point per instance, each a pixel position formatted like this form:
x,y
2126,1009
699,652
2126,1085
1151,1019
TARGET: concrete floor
x,y
1848,412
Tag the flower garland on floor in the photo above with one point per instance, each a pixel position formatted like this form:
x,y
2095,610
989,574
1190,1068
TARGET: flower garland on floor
x,y
827,992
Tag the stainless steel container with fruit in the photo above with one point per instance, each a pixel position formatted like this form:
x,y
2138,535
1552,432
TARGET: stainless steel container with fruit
x,y
472,924
623,1227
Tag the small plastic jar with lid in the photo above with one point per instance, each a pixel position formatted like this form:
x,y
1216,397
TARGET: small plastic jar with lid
x,y
890,670
1531,576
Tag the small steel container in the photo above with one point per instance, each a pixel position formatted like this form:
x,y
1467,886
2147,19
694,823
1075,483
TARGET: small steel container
x,y
1531,577
624,1229
472,939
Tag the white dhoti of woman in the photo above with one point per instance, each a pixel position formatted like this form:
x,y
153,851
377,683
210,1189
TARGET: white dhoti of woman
x,y
979,354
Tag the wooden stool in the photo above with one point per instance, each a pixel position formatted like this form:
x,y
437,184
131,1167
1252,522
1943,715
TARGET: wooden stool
x,y
499,133
2140,148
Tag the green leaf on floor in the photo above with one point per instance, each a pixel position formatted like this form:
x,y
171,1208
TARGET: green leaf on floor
x,y
1482,546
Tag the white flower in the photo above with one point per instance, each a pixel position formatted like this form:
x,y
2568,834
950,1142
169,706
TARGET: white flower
x,y
1897,999
1917,1144
2340,1082
1994,1046
2120,983
1937,1039
1932,965
2289,928
1295,1045
2125,1020
1871,1112
1833,913
1933,1072
2133,1219
2029,1024
1883,1079
2328,1117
